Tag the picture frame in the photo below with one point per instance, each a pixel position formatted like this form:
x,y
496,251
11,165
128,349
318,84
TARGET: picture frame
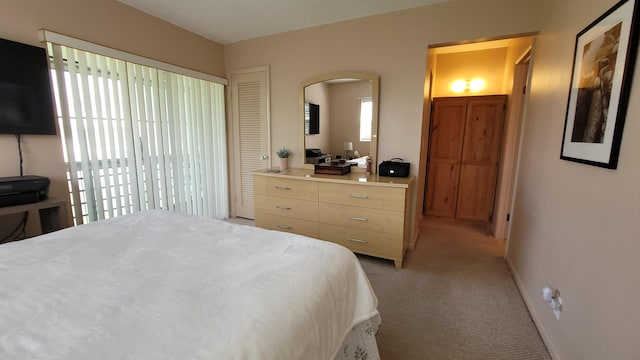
x,y
603,65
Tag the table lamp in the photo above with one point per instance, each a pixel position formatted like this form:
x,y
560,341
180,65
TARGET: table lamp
x,y
348,148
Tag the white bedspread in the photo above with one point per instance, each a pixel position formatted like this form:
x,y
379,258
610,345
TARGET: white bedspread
x,y
159,285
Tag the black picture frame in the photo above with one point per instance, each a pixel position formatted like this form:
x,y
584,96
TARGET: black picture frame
x,y
603,65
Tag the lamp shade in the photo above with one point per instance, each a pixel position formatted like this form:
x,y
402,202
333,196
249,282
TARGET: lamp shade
x,y
348,145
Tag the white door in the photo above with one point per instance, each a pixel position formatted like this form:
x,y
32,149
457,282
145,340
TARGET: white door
x,y
250,119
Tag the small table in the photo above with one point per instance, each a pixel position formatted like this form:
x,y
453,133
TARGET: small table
x,y
53,213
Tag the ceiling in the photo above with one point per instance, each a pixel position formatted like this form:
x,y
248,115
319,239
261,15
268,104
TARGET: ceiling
x,y
229,21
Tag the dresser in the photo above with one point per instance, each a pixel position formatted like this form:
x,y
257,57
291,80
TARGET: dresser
x,y
368,214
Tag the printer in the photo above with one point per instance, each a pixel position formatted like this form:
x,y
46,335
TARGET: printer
x,y
18,190
315,156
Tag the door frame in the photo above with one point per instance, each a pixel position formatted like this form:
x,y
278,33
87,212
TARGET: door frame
x,y
511,144
426,125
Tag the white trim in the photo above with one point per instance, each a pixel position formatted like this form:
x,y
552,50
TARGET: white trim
x,y
518,158
50,36
251,69
546,338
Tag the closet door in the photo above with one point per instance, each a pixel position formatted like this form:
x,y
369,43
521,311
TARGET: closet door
x,y
480,156
250,123
445,151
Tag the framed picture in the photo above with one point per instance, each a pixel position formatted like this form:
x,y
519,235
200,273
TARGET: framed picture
x,y
604,58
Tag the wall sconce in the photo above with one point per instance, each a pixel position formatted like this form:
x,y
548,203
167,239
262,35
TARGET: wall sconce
x,y
474,85
348,148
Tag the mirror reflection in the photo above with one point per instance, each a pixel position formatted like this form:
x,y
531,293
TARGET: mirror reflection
x,y
340,119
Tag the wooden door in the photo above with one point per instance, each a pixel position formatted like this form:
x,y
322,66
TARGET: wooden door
x,y
464,150
250,118
445,151
480,156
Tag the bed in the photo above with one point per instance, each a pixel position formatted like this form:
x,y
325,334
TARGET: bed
x,y
161,285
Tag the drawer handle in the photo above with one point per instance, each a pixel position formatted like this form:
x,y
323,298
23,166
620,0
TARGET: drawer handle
x,y
359,219
282,207
359,196
357,240
285,227
283,188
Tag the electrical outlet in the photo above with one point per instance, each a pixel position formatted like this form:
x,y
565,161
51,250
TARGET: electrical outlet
x,y
557,309
552,297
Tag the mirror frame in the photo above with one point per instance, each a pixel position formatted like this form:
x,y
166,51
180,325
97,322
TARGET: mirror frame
x,y
375,94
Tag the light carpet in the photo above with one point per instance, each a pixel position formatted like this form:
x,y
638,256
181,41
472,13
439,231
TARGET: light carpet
x,y
455,298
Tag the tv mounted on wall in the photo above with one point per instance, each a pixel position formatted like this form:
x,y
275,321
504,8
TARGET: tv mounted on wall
x,y
311,119
26,104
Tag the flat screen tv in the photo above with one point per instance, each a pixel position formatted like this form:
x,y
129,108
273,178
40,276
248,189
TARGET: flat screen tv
x,y
26,104
311,119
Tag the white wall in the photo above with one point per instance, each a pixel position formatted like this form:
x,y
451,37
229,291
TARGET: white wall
x,y
576,227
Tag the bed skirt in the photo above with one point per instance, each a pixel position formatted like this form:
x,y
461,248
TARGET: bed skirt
x,y
360,343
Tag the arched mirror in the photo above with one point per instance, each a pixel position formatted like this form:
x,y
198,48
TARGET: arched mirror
x,y
339,112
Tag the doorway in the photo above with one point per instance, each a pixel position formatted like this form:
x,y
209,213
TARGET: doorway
x,y
464,153
494,62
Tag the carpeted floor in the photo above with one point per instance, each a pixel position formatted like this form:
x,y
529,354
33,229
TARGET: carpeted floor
x,y
454,299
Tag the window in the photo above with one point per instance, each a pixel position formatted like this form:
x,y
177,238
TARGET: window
x,y
366,117
136,137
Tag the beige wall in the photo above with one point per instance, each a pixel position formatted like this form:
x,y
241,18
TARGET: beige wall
x,y
486,64
575,227
345,116
392,45
112,24
108,23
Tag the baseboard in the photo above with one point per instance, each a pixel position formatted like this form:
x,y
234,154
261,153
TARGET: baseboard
x,y
534,315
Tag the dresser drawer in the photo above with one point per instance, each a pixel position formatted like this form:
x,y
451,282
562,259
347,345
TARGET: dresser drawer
x,y
363,241
289,188
287,224
390,222
299,209
375,197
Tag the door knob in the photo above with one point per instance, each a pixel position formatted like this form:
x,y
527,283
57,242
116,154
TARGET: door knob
x,y
264,157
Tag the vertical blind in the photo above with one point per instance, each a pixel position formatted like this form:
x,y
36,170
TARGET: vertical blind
x,y
136,137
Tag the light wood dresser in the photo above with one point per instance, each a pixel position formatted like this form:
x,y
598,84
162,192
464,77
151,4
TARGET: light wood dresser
x,y
368,214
